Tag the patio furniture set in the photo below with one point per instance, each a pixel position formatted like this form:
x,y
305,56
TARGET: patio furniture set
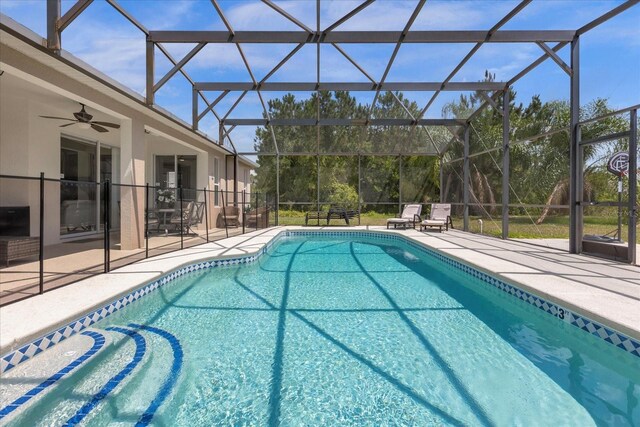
x,y
333,213
439,217
178,219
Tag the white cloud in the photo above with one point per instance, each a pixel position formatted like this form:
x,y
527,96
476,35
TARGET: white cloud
x,y
258,16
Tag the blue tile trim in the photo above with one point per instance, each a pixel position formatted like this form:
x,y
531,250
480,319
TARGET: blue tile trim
x,y
141,348
98,343
24,353
171,379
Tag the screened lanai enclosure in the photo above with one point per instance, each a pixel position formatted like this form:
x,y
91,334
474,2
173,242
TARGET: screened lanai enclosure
x,y
383,135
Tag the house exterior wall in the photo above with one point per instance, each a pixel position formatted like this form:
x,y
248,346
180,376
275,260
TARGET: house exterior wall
x,y
30,145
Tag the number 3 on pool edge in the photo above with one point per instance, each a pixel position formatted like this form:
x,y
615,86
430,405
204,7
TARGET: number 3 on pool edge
x,y
561,313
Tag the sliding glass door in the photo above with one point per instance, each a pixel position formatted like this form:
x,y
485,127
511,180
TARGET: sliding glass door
x,y
172,172
83,166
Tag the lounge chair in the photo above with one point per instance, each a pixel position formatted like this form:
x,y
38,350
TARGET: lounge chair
x,y
338,212
353,213
410,215
440,216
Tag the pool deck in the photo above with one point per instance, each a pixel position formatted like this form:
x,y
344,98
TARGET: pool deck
x,y
605,291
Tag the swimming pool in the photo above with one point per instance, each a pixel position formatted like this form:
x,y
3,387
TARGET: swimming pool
x,y
338,331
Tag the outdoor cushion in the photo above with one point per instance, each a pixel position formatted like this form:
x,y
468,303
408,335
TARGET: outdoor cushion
x,y
409,215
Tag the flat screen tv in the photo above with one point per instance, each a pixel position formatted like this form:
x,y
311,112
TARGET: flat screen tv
x,y
14,221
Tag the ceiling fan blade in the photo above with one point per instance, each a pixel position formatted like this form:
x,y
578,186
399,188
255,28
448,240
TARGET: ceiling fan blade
x,y
107,124
58,118
98,128
68,124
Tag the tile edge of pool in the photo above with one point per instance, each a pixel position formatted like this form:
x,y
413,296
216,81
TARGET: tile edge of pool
x,y
51,335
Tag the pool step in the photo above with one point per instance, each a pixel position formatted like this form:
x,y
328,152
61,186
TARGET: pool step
x,y
133,374
70,391
38,376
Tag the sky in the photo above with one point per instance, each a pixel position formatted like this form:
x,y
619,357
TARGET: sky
x,y
100,36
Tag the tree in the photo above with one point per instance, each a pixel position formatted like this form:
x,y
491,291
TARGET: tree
x,y
539,169
334,150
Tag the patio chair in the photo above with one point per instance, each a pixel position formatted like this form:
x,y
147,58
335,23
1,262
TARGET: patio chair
x,y
353,213
257,218
337,212
152,219
198,213
440,216
410,215
317,215
187,217
229,217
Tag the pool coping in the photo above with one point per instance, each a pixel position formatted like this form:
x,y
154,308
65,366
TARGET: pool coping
x,y
248,248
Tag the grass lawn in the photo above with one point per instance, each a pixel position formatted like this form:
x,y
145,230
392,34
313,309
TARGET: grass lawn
x,y
520,227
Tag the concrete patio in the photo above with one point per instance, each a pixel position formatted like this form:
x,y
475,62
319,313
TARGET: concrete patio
x,y
71,261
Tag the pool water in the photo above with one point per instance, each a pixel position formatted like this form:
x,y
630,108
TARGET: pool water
x,y
341,331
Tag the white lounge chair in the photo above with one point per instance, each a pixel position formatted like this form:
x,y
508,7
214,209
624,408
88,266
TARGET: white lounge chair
x,y
440,216
410,215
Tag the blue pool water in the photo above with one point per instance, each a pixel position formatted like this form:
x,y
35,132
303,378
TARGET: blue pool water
x,y
341,331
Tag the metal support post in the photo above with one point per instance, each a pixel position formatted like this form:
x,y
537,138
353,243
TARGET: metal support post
x,y
318,132
206,214
54,41
465,181
399,185
41,243
441,179
224,217
106,198
181,220
277,189
505,164
194,108
633,185
235,180
318,181
146,220
256,209
244,215
575,166
359,184
150,71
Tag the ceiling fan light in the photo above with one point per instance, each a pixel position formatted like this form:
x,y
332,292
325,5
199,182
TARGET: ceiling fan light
x,y
84,125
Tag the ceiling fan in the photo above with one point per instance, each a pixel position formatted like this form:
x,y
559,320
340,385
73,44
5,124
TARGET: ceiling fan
x,y
83,119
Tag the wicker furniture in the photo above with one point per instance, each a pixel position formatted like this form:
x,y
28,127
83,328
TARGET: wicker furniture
x,y
228,217
17,247
257,218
